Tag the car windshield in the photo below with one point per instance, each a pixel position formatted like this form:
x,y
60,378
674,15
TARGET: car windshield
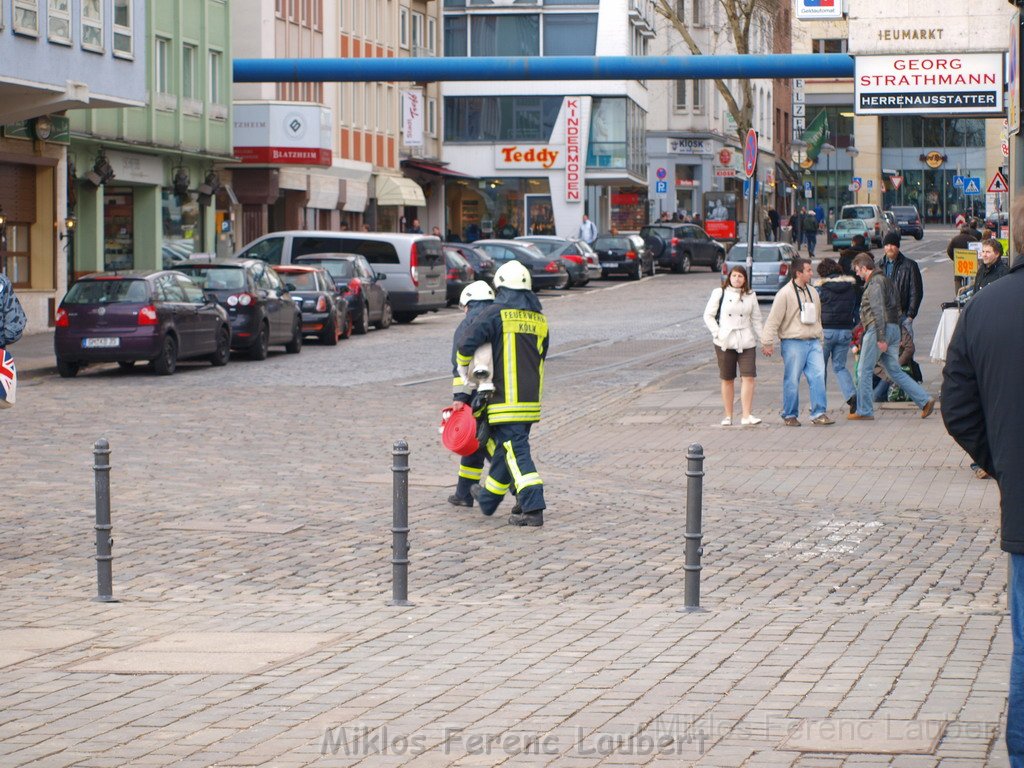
x,y
546,247
303,281
606,242
338,269
858,212
118,291
216,278
845,225
761,253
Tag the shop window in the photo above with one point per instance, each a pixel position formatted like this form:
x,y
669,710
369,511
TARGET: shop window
x,y
26,17
570,34
118,229
933,133
500,118
123,34
17,254
182,224
58,22
506,35
607,134
92,25
455,36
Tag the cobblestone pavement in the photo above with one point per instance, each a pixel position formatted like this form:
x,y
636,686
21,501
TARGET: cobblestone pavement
x,y
850,573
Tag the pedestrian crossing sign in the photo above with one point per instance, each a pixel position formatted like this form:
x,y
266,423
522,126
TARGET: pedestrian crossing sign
x,y
998,184
972,186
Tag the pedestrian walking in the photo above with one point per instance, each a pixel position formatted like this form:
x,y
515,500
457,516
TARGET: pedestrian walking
x,y
796,231
587,231
983,414
795,321
12,316
734,319
906,279
879,315
517,331
773,218
475,297
858,244
839,307
809,223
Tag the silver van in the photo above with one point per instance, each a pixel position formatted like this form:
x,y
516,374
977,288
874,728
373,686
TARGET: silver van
x,y
413,265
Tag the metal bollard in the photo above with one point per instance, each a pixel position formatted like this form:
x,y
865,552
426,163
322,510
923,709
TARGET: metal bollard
x,y
400,525
693,535
104,541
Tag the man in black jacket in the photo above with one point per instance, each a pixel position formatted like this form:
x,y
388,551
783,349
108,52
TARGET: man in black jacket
x,y
906,278
992,266
858,245
982,412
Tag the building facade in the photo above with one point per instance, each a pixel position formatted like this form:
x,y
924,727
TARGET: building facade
x,y
912,156
146,182
536,156
57,56
693,148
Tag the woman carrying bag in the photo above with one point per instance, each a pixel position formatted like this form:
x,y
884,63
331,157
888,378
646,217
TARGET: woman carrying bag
x,y
734,319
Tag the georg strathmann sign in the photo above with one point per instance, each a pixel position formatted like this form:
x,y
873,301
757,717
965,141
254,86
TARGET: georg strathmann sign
x,y
948,83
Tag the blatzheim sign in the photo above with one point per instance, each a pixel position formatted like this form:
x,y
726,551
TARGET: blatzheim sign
x,y
929,83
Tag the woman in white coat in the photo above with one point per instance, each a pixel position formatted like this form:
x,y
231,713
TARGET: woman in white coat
x,y
734,319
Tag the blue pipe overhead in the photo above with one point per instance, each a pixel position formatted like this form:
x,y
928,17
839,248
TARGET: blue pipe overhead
x,y
421,70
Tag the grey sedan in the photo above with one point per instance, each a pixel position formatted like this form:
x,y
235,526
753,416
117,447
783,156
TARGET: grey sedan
x,y
771,265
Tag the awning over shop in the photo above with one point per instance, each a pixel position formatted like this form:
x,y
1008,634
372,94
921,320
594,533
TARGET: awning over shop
x,y
438,170
397,190
323,192
354,194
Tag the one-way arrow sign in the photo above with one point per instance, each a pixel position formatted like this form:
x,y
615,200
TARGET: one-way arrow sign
x,y
998,183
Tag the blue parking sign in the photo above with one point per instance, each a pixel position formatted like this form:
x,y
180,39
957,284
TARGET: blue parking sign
x,y
661,187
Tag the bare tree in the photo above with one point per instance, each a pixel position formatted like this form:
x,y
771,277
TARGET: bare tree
x,y
738,17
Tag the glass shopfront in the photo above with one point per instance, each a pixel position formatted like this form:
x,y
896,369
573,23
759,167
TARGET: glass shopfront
x,y
118,228
498,207
182,226
928,152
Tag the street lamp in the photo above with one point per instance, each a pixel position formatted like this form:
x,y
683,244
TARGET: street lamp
x,y
852,152
828,150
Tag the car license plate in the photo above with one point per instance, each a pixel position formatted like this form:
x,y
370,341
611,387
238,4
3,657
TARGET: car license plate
x,y
760,279
902,222
101,342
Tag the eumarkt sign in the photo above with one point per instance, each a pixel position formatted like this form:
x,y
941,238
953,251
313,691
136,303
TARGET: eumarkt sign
x,y
929,83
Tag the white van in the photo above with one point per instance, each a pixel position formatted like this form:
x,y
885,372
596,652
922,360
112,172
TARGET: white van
x,y
413,265
871,215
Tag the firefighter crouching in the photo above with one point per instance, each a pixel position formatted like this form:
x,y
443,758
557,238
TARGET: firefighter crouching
x,y
518,334
474,299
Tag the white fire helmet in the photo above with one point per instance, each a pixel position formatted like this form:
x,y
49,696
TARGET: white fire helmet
x,y
513,275
478,291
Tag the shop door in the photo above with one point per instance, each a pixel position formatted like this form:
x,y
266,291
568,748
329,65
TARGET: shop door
x,y
118,229
540,216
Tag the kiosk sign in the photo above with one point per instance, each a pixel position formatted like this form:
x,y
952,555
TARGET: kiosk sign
x,y
929,83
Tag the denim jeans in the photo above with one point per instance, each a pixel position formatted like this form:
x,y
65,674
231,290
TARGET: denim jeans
x,y
812,241
802,357
869,355
837,346
1015,713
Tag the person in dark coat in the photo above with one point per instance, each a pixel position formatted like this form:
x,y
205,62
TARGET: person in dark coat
x,y
773,220
839,302
983,412
906,279
846,256
992,266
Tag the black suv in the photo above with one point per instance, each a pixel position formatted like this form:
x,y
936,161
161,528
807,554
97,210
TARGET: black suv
x,y
680,246
908,220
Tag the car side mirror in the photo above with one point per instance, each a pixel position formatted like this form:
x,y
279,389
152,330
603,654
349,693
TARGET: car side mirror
x,y
210,297
289,286
380,276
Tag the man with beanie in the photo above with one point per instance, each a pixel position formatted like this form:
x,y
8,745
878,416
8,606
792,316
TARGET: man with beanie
x,y
906,279
517,331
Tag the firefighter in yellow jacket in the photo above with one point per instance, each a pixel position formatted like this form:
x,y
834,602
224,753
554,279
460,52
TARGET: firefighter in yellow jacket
x,y
518,333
